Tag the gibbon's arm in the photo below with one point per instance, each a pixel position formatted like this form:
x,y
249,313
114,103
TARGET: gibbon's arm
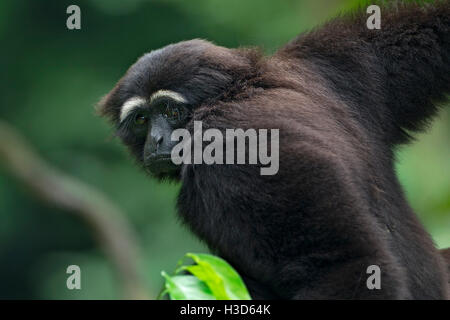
x,y
393,77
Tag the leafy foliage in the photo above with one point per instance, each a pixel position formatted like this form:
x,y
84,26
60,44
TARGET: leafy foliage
x,y
212,278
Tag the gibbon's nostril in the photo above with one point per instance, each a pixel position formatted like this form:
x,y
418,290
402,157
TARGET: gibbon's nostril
x,y
157,142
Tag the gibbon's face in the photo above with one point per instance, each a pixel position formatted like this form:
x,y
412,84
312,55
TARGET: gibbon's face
x,y
159,94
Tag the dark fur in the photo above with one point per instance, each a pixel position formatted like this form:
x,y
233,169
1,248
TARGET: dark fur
x,y
342,96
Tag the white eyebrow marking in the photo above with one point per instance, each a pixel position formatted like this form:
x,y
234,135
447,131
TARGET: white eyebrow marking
x,y
129,105
169,94
135,102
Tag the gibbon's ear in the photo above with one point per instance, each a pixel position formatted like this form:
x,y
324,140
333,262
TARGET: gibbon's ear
x,y
100,107
393,77
109,104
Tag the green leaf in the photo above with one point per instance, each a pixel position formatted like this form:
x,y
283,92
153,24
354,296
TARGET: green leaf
x,y
212,280
186,287
223,281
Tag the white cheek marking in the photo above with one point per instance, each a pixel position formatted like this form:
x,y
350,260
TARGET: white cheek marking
x,y
129,106
168,94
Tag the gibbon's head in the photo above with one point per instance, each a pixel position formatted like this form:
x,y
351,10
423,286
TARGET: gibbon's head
x,y
160,92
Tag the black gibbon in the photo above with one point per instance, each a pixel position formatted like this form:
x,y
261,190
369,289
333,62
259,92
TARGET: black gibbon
x,y
342,97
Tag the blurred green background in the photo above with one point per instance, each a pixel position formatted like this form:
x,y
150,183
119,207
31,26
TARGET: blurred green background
x,y
51,78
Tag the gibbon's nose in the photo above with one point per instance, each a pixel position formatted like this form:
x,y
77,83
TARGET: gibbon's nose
x,y
153,144
158,139
156,136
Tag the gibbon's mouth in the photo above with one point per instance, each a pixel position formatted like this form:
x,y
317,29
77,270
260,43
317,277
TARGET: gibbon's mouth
x,y
161,158
160,164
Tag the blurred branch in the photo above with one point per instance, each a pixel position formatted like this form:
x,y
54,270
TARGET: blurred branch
x,y
107,222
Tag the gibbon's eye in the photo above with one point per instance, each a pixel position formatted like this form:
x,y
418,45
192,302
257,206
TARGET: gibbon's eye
x,y
173,113
140,119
